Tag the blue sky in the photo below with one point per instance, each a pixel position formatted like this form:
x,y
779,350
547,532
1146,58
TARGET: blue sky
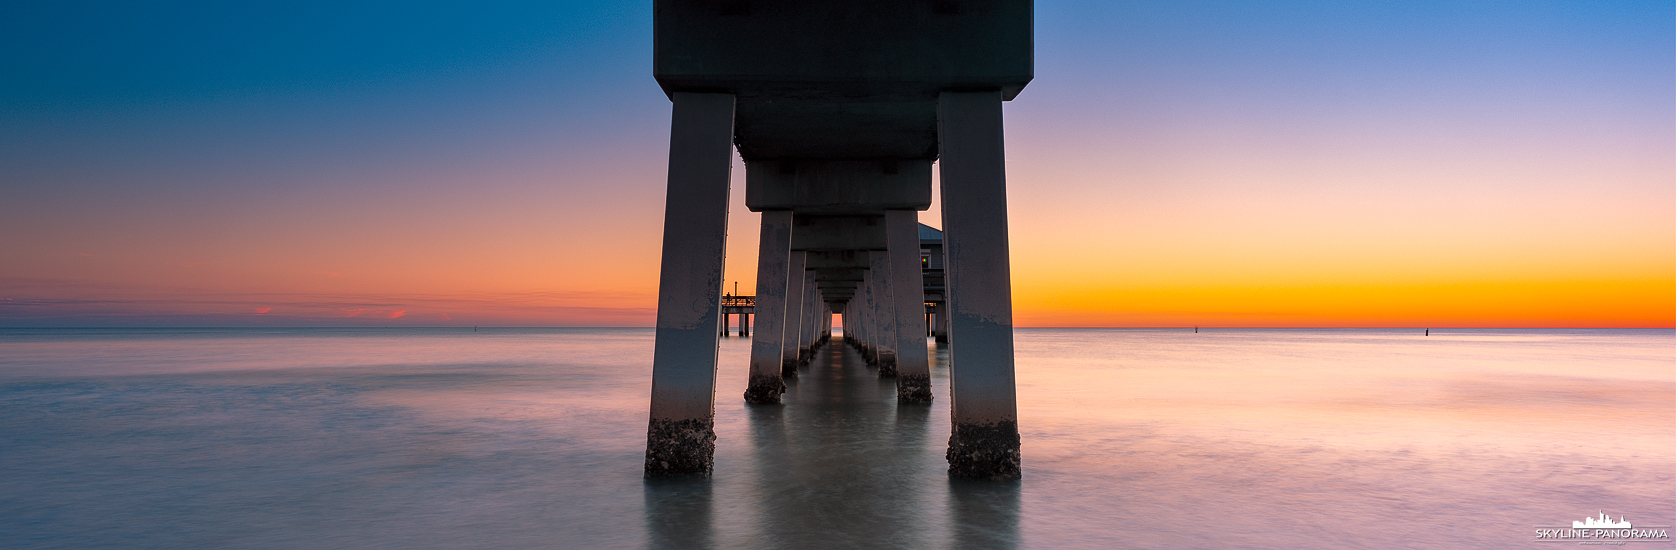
x,y
160,162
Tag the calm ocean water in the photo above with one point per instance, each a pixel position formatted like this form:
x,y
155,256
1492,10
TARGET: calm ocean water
x,y
504,438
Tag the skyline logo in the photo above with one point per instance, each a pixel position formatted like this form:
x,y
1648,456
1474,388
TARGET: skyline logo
x,y
1602,529
1603,522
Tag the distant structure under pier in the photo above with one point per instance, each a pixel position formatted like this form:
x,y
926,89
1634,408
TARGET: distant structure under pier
x,y
741,307
931,264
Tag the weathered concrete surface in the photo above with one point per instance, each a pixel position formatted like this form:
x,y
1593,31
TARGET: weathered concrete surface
x,y
912,388
680,447
980,451
764,390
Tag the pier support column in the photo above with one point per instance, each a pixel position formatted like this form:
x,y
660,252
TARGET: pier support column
x,y
907,290
941,315
864,322
826,324
871,326
681,435
852,316
985,442
811,320
885,310
773,263
816,307
865,317
790,343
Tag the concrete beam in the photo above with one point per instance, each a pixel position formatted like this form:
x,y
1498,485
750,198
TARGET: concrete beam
x,y
841,80
835,275
838,233
856,259
836,293
841,50
838,186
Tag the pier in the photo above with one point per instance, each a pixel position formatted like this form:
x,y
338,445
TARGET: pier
x,y
839,110
737,306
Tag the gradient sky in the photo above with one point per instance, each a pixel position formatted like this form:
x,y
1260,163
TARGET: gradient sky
x,y
1173,163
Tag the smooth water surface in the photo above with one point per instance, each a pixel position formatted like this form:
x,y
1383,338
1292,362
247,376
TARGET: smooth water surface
x,y
515,438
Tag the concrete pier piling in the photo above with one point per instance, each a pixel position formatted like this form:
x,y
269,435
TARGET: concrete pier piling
x,y
681,436
811,317
825,334
940,331
985,442
773,265
791,343
882,311
913,366
867,319
838,110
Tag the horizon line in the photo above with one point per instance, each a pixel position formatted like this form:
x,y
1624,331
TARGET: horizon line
x,y
1184,327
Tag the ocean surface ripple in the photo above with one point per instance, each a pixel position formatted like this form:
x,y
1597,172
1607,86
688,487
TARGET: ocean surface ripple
x,y
1133,438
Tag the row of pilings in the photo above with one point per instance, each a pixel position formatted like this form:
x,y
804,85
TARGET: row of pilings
x,y
862,262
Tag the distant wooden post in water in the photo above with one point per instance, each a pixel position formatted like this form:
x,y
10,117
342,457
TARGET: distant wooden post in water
x,y
839,110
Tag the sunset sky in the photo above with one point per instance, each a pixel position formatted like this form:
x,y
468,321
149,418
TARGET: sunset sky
x,y
1173,163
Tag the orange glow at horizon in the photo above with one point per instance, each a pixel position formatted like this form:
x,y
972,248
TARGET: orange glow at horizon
x,y
1144,235
1553,304
1097,261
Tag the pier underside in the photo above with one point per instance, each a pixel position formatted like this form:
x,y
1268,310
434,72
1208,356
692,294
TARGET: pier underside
x,y
839,110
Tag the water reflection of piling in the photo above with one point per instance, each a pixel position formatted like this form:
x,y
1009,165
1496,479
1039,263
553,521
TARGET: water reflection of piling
x,y
678,513
985,514
836,465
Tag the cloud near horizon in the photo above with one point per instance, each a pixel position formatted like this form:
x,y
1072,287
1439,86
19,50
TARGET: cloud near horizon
x,y
40,303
